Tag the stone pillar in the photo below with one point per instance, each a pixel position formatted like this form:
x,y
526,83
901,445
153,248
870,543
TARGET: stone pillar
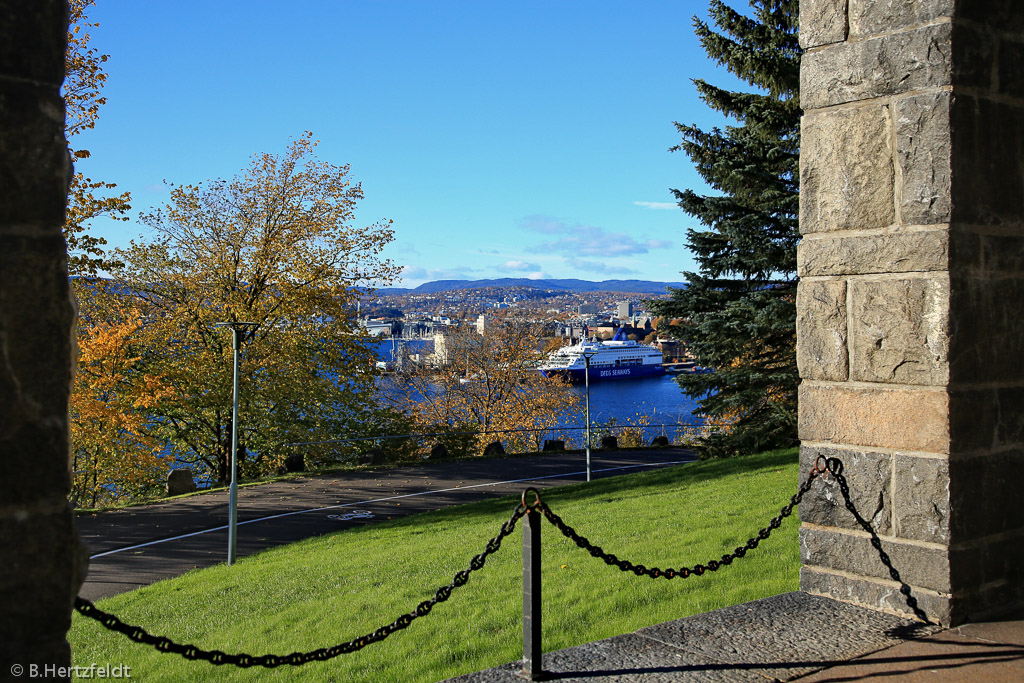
x,y
40,569
911,302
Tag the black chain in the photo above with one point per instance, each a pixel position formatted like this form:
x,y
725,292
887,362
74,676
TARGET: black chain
x,y
683,572
140,635
823,466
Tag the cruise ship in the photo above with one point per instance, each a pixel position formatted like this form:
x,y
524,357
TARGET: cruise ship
x,y
618,358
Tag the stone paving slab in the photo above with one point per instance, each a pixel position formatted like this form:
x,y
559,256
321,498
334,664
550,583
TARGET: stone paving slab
x,y
777,638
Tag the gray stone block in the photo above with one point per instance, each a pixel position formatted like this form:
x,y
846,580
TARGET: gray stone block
x,y
852,553
921,502
869,476
1000,562
923,152
871,17
32,41
992,574
988,162
984,495
988,340
38,581
180,481
1003,15
822,22
35,304
986,419
974,57
296,462
846,170
899,331
1011,68
993,253
879,416
992,601
883,596
878,67
884,252
821,351
33,115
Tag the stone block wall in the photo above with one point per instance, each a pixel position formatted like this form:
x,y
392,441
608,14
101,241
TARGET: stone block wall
x,y
911,303
41,568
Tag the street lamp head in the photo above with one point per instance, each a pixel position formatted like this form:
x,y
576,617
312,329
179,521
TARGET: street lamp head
x,y
235,324
236,329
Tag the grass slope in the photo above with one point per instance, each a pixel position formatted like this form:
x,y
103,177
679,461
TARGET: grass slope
x,y
327,590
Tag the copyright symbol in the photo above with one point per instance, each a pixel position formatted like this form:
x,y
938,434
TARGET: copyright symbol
x,y
17,670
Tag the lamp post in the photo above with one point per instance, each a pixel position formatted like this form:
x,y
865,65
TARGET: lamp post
x,y
236,345
587,355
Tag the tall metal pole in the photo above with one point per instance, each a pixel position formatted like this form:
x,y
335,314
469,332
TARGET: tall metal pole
x,y
233,490
236,346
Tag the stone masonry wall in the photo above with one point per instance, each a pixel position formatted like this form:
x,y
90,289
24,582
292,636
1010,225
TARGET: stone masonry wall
x,y
41,569
911,302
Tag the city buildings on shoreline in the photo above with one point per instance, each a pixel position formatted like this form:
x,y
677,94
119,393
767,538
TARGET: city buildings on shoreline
x,y
563,317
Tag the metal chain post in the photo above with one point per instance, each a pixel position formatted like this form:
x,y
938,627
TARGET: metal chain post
x,y
533,650
532,646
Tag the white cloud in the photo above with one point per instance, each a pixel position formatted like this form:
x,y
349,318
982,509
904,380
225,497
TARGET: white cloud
x,y
518,266
586,240
597,267
661,206
545,224
420,274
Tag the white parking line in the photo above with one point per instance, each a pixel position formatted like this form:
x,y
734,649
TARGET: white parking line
x,y
379,500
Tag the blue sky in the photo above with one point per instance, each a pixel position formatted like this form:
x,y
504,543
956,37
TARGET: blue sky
x,y
524,139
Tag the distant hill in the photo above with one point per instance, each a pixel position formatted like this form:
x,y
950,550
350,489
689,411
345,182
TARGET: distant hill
x,y
568,285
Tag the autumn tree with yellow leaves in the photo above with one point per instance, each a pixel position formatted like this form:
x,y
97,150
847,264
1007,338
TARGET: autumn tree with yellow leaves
x,y
83,82
277,246
114,456
486,383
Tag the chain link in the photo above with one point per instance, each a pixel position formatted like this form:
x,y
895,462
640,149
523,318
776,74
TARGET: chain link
x,y
138,634
829,467
683,572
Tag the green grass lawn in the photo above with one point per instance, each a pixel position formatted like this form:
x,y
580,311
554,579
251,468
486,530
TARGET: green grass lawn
x,y
328,590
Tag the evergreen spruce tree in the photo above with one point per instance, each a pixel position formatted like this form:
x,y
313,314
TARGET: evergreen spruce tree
x,y
738,314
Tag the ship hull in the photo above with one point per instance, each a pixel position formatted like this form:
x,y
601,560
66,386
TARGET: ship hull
x,y
576,375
